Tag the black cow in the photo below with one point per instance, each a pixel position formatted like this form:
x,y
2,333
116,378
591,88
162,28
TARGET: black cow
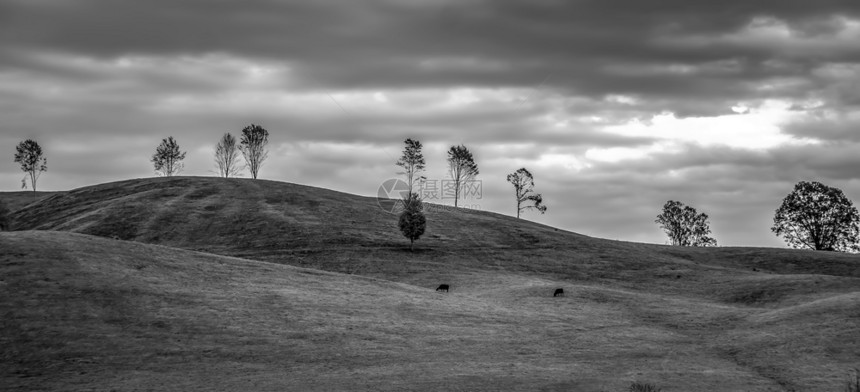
x,y
558,293
442,287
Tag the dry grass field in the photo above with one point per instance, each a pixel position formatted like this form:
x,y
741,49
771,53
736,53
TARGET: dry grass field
x,y
211,284
18,200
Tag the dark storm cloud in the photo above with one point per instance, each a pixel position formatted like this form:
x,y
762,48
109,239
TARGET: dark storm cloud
x,y
668,52
836,128
207,94
477,43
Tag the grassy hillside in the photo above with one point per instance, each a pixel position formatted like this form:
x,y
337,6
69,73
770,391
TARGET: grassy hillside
x,y
83,312
324,229
17,200
686,319
255,215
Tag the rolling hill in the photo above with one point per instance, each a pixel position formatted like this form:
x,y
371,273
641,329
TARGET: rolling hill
x,y
17,200
128,283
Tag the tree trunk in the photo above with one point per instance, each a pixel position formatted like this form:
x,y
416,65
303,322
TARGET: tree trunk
x,y
411,245
33,183
456,190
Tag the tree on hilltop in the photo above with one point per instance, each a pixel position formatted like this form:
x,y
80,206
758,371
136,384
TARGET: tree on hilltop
x,y
523,189
253,147
29,155
816,216
412,162
462,168
168,158
227,156
684,225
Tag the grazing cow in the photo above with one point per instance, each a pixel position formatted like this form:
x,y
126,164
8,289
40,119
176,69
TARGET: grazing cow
x,y
558,293
442,287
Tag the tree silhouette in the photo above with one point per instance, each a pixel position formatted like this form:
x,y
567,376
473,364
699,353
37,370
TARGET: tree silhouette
x,y
168,158
29,155
412,221
253,146
684,226
462,168
816,216
227,156
523,188
412,162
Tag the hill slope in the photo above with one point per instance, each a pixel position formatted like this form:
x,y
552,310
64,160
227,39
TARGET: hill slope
x,y
18,200
83,312
256,214
324,229
688,318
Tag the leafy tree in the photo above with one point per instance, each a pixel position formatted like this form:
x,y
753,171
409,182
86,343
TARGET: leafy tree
x,y
685,226
816,216
4,216
462,168
412,162
523,187
253,146
29,155
168,158
227,156
412,221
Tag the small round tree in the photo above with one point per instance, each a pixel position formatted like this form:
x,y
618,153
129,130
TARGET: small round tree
x,y
816,216
412,221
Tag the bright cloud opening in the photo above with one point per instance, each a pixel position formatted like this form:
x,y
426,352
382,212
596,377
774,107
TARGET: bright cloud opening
x,y
756,129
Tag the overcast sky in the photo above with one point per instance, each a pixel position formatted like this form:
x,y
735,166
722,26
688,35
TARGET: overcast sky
x,y
614,106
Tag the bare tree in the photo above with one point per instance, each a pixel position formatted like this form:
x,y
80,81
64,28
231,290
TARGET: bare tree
x,y
412,162
168,158
253,147
227,156
29,155
684,226
462,168
523,183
